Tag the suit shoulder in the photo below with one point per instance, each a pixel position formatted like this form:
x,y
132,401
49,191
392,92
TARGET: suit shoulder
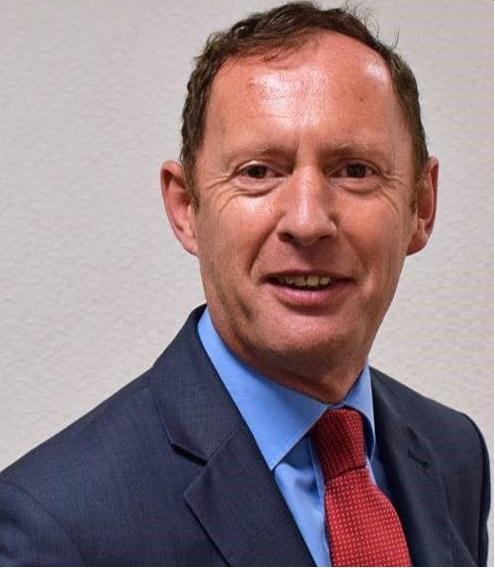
x,y
113,440
85,443
424,413
408,396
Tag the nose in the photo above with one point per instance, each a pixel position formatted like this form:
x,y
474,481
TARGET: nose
x,y
309,214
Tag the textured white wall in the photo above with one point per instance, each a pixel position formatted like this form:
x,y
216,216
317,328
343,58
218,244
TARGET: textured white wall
x,y
92,284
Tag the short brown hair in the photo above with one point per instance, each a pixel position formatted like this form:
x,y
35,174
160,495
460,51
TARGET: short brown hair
x,y
278,30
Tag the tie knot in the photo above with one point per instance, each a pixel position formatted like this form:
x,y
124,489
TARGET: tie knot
x,y
339,440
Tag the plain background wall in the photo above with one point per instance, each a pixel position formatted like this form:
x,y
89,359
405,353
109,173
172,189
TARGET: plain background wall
x,y
92,283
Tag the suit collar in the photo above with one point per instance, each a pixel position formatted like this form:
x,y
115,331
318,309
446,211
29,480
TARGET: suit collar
x,y
195,408
413,476
246,516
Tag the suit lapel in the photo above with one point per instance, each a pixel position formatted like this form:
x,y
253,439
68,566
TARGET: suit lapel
x,y
234,497
246,517
415,483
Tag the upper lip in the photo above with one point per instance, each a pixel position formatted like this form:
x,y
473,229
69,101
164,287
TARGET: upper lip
x,y
307,272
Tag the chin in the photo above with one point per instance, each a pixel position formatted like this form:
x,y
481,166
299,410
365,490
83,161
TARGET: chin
x,y
307,348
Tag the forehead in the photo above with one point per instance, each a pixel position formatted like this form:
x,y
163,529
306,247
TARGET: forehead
x,y
325,76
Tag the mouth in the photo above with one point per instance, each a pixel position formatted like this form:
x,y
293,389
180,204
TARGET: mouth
x,y
304,282
318,290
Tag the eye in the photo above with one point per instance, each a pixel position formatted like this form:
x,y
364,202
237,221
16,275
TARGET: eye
x,y
255,171
354,170
257,178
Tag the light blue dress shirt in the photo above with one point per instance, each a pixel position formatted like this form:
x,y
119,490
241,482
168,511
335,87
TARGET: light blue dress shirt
x,y
280,419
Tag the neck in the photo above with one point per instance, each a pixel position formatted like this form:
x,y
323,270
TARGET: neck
x,y
327,381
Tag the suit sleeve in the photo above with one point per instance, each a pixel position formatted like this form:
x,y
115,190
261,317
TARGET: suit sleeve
x,y
30,535
484,501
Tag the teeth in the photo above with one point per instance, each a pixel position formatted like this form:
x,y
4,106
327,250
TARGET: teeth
x,y
312,281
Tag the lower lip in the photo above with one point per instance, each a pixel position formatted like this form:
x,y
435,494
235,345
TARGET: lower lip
x,y
320,298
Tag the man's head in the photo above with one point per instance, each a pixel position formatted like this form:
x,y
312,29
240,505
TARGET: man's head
x,y
279,31
305,176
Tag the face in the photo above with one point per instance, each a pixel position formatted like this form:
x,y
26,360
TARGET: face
x,y
305,182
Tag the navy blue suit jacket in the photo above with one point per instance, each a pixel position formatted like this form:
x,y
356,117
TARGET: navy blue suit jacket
x,y
165,472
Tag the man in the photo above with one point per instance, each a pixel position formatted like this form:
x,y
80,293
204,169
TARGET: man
x,y
261,436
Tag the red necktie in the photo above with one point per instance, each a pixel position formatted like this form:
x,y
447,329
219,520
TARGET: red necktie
x,y
362,526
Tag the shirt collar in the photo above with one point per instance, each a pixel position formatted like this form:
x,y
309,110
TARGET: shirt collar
x,y
277,416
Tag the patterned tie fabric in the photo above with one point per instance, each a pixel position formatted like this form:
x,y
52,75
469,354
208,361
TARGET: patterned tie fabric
x,y
362,526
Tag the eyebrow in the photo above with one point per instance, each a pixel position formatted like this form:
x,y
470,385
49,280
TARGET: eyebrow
x,y
346,148
256,150
332,149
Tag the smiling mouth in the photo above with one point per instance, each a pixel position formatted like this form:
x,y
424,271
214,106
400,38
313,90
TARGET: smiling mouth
x,y
300,282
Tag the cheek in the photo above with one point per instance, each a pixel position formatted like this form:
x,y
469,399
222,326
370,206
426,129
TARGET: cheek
x,y
379,236
244,227
224,241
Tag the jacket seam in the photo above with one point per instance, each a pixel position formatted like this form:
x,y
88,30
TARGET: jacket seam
x,y
48,513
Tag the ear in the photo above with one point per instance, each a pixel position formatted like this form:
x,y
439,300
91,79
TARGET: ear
x,y
426,207
178,205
